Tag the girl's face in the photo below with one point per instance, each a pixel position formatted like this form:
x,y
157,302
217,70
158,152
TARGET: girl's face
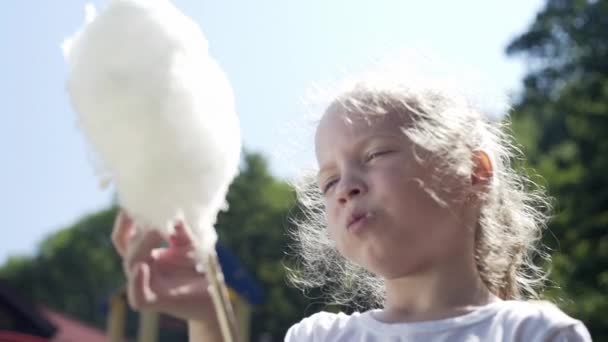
x,y
378,211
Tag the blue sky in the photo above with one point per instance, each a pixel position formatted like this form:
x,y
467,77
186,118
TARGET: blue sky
x,y
272,52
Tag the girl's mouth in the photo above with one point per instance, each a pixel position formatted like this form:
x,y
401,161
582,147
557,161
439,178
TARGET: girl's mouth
x,y
357,221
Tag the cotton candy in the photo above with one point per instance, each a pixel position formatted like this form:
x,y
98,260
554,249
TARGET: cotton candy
x,y
158,112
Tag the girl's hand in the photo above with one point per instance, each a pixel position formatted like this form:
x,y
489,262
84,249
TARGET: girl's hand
x,y
162,279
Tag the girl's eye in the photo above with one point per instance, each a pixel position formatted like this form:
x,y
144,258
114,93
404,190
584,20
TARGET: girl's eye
x,y
329,185
376,154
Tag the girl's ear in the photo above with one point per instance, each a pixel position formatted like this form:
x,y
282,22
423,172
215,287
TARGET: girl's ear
x,y
483,170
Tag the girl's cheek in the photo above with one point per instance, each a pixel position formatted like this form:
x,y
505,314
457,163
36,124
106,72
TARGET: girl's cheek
x,y
328,213
330,208
330,221
331,229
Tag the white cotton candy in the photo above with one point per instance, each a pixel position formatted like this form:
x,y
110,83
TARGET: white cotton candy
x,y
158,112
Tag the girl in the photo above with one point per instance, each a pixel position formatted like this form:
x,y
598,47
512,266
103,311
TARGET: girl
x,y
414,208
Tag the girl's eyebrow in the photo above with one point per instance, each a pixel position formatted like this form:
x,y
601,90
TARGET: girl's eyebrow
x,y
322,171
366,141
386,136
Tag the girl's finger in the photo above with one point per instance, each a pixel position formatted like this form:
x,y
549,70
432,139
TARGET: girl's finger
x,y
175,257
139,292
140,246
122,232
180,238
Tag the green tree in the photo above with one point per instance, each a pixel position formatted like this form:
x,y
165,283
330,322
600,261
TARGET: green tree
x,y
74,271
562,120
254,228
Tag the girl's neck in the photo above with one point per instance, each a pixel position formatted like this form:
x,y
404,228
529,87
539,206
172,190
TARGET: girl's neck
x,y
439,293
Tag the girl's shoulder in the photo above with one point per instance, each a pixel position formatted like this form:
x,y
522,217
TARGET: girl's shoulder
x,y
534,309
533,318
319,326
506,320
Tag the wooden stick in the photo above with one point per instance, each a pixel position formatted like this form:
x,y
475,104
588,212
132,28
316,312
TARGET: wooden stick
x,y
219,295
223,289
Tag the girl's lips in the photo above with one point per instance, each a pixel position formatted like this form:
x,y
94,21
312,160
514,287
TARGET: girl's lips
x,y
357,220
354,218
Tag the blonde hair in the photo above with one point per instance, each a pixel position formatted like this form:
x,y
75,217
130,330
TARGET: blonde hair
x,y
513,213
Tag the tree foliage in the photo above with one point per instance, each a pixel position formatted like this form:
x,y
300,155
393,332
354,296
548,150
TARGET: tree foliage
x,y
74,271
255,229
561,119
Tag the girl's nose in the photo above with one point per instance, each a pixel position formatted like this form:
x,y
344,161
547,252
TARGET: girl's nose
x,y
349,188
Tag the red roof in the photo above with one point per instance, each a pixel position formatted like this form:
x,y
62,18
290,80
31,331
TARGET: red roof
x,y
72,330
13,336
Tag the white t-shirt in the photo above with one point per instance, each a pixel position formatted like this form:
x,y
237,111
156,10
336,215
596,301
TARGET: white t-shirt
x,y
498,321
